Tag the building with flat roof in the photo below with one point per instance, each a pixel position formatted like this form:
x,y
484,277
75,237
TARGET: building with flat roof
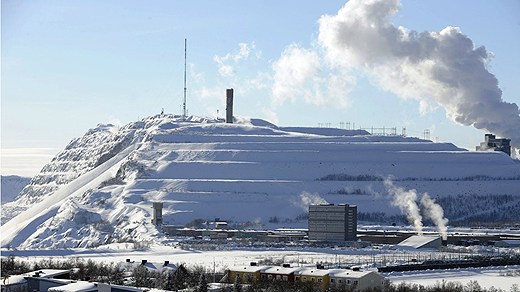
x,y
492,143
329,222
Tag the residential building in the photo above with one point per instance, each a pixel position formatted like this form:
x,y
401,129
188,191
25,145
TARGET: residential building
x,y
355,280
246,274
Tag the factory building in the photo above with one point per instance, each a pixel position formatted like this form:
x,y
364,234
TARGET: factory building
x,y
329,222
494,144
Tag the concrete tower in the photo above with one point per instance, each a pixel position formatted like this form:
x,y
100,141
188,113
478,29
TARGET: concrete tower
x,y
229,105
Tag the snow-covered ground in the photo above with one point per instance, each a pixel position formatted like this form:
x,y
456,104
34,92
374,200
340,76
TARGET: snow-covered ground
x,y
11,185
499,277
100,189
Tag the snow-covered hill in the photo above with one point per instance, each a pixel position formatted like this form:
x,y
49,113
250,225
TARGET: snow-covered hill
x,y
11,186
100,189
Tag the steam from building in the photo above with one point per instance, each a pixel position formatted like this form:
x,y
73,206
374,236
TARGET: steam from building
x,y
435,212
305,199
406,200
436,68
407,203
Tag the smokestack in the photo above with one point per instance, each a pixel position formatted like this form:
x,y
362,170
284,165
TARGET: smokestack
x,y
229,106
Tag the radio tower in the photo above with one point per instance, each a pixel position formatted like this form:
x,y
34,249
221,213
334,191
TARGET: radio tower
x,y
184,102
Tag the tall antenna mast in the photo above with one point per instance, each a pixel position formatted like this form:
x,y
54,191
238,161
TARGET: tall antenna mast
x,y
184,103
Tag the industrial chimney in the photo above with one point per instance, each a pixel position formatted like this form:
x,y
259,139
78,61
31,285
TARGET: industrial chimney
x,y
229,105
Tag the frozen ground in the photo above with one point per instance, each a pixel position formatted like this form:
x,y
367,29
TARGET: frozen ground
x,y
499,277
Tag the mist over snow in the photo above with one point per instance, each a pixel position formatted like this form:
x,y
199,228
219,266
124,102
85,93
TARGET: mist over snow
x,y
101,187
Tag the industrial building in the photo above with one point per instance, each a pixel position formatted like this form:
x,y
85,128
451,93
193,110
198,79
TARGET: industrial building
x,y
494,144
421,242
333,223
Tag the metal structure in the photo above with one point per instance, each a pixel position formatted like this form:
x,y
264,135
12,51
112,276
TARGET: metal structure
x,y
184,100
331,222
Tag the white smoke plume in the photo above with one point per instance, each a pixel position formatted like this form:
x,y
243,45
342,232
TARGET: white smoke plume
x,y
435,212
299,74
407,202
436,68
307,199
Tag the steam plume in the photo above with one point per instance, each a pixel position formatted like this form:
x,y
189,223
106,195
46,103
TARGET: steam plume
x,y
307,199
435,212
437,68
406,201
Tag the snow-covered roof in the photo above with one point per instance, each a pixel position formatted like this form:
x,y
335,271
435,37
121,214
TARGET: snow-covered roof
x,y
47,273
420,241
342,273
80,286
280,270
13,280
248,269
151,266
312,272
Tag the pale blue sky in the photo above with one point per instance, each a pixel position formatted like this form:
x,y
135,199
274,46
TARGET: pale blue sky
x,y
69,65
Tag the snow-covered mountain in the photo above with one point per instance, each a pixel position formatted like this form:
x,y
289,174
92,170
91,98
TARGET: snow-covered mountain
x,y
100,189
11,186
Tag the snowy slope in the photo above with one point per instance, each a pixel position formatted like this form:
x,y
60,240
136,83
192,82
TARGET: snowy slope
x,y
100,189
11,186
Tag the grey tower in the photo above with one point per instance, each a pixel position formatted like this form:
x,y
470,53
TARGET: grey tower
x,y
157,213
229,105
331,222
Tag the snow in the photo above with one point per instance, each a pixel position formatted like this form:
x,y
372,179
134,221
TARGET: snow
x,y
47,273
299,258
12,280
418,241
11,187
100,189
78,286
486,277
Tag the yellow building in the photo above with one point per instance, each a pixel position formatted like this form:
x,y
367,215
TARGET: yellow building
x,y
247,274
319,277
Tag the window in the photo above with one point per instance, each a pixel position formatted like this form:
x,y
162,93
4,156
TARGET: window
x,y
332,280
348,281
270,277
340,281
304,279
355,282
285,278
297,278
312,279
319,280
278,277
